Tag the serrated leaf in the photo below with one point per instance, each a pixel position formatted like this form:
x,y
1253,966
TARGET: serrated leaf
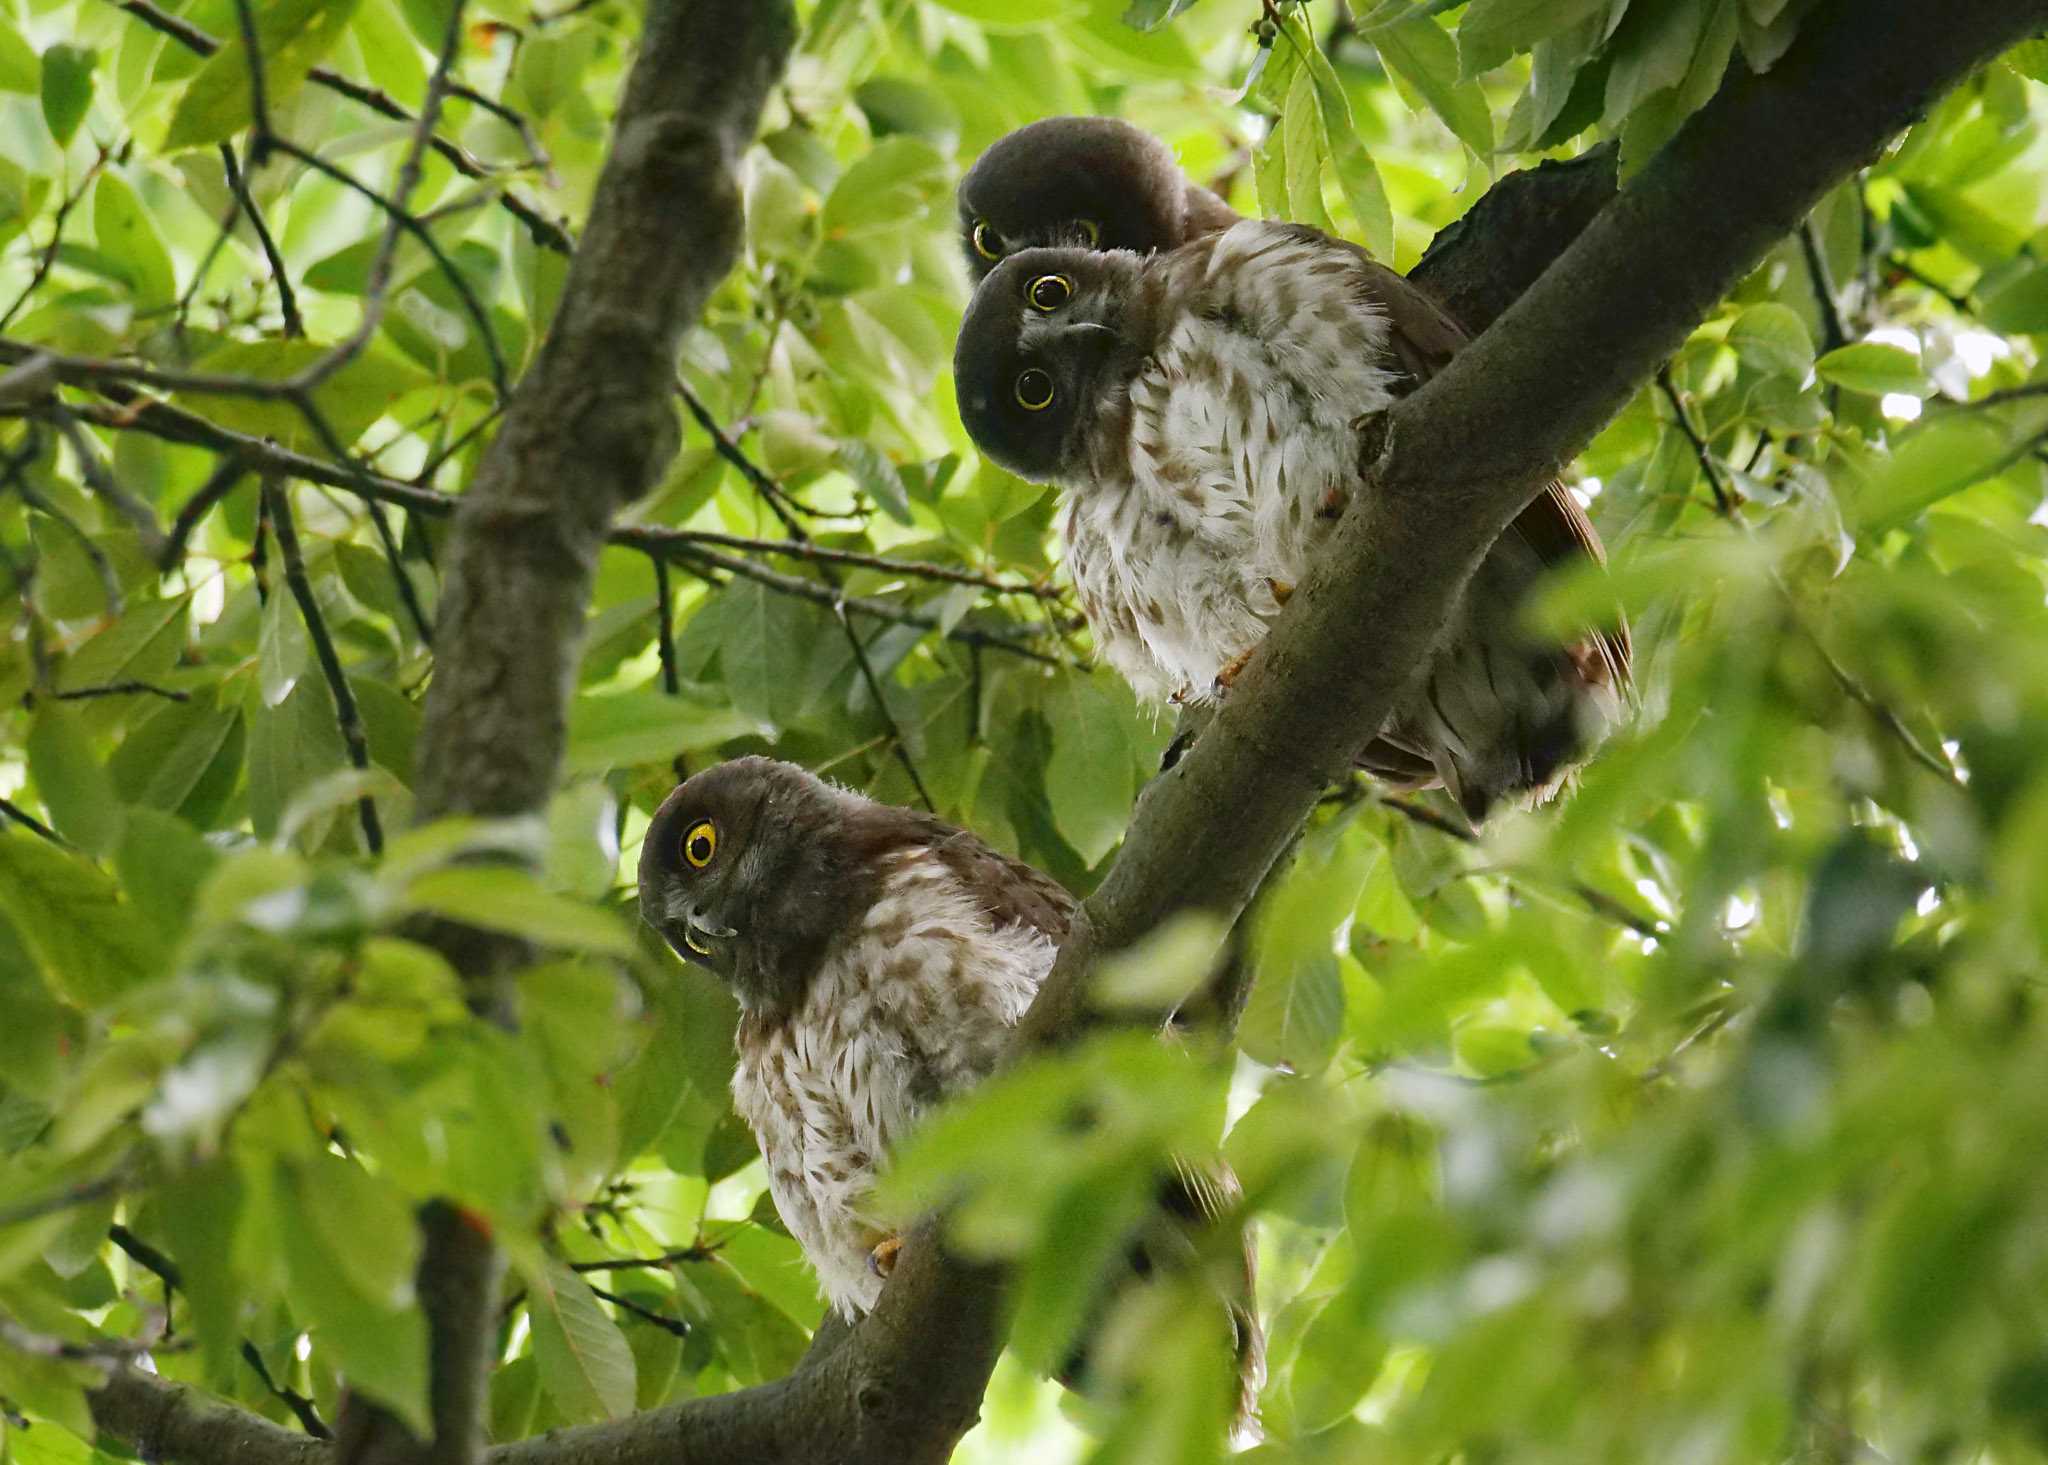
x,y
877,477
898,180
293,37
1357,175
1421,53
585,1364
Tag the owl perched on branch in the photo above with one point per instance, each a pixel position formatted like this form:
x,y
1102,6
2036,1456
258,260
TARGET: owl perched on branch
x,y
1201,407
881,958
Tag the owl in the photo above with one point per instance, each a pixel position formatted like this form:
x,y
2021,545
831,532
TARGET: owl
x,y
881,958
1092,182
1200,408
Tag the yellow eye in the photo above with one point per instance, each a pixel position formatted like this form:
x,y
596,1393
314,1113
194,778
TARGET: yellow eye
x,y
1034,389
700,844
1049,292
1091,231
987,243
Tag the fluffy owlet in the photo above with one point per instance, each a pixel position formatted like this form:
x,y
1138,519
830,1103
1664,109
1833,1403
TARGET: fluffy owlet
x,y
1091,182
881,958
1201,406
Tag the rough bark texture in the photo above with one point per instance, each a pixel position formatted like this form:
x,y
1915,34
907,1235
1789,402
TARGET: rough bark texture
x,y
1462,456
594,422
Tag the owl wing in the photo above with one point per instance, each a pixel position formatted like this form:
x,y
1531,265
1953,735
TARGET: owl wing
x,y
1423,337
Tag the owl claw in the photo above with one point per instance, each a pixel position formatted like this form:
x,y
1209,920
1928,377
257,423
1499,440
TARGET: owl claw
x,y
1283,590
1232,670
882,1257
1334,500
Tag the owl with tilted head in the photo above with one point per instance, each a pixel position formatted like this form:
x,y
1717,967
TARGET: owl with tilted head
x,y
1198,395
881,959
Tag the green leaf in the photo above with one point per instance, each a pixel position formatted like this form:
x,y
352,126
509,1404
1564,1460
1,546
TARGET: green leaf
x,y
1145,15
1012,13
1421,53
647,725
349,401
2019,304
501,898
1088,777
366,1226
281,648
877,477
1494,30
20,68
585,1364
74,785
89,943
67,88
1875,368
199,1210
1650,53
1357,176
293,36
898,180
127,234
1772,338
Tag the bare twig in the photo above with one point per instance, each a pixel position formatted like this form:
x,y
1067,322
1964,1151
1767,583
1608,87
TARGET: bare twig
x,y
323,648
229,472
121,689
49,255
11,810
1833,336
663,1321
83,1192
103,483
302,1408
664,626
808,550
287,299
1724,502
547,233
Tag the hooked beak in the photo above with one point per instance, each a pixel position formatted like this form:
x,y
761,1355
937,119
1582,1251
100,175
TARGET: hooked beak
x,y
699,937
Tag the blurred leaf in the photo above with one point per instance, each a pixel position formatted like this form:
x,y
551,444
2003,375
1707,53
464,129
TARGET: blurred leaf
x,y
292,37
585,1364
1773,339
1876,368
67,88
501,898
89,943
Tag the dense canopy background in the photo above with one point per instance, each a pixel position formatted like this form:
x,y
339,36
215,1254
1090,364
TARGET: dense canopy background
x,y
1698,1118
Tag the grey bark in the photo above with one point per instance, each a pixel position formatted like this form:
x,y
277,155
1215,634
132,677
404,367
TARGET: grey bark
x,y
1461,458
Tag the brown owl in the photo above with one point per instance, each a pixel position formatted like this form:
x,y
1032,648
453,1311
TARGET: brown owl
x,y
1201,408
881,958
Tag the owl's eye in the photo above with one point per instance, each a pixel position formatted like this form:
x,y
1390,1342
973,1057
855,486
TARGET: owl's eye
x,y
1091,231
700,843
1034,389
1049,292
987,243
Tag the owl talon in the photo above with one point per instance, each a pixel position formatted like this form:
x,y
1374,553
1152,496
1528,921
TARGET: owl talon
x,y
882,1258
1334,500
1232,670
1283,590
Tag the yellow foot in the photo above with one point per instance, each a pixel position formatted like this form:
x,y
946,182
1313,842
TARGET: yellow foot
x,y
1233,669
882,1258
1282,590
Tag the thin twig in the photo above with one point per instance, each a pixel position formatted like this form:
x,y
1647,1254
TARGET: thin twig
x,y
287,299
110,582
102,482
323,647
41,1345
666,1323
651,1263
226,474
664,626
547,233
121,689
84,1192
11,810
1724,503
301,1407
146,1256
49,256
1833,336
809,550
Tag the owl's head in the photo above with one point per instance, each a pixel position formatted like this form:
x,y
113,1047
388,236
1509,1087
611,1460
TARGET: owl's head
x,y
1085,182
743,871
1048,334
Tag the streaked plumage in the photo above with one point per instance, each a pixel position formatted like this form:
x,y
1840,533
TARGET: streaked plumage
x,y
1203,421
881,958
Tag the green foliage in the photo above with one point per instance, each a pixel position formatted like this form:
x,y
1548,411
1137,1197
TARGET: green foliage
x,y
1697,1116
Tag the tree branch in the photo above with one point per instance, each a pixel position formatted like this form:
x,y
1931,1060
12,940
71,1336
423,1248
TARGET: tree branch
x,y
1463,456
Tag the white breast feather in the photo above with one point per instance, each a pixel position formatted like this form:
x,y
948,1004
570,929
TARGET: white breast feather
x,y
1240,426
928,987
